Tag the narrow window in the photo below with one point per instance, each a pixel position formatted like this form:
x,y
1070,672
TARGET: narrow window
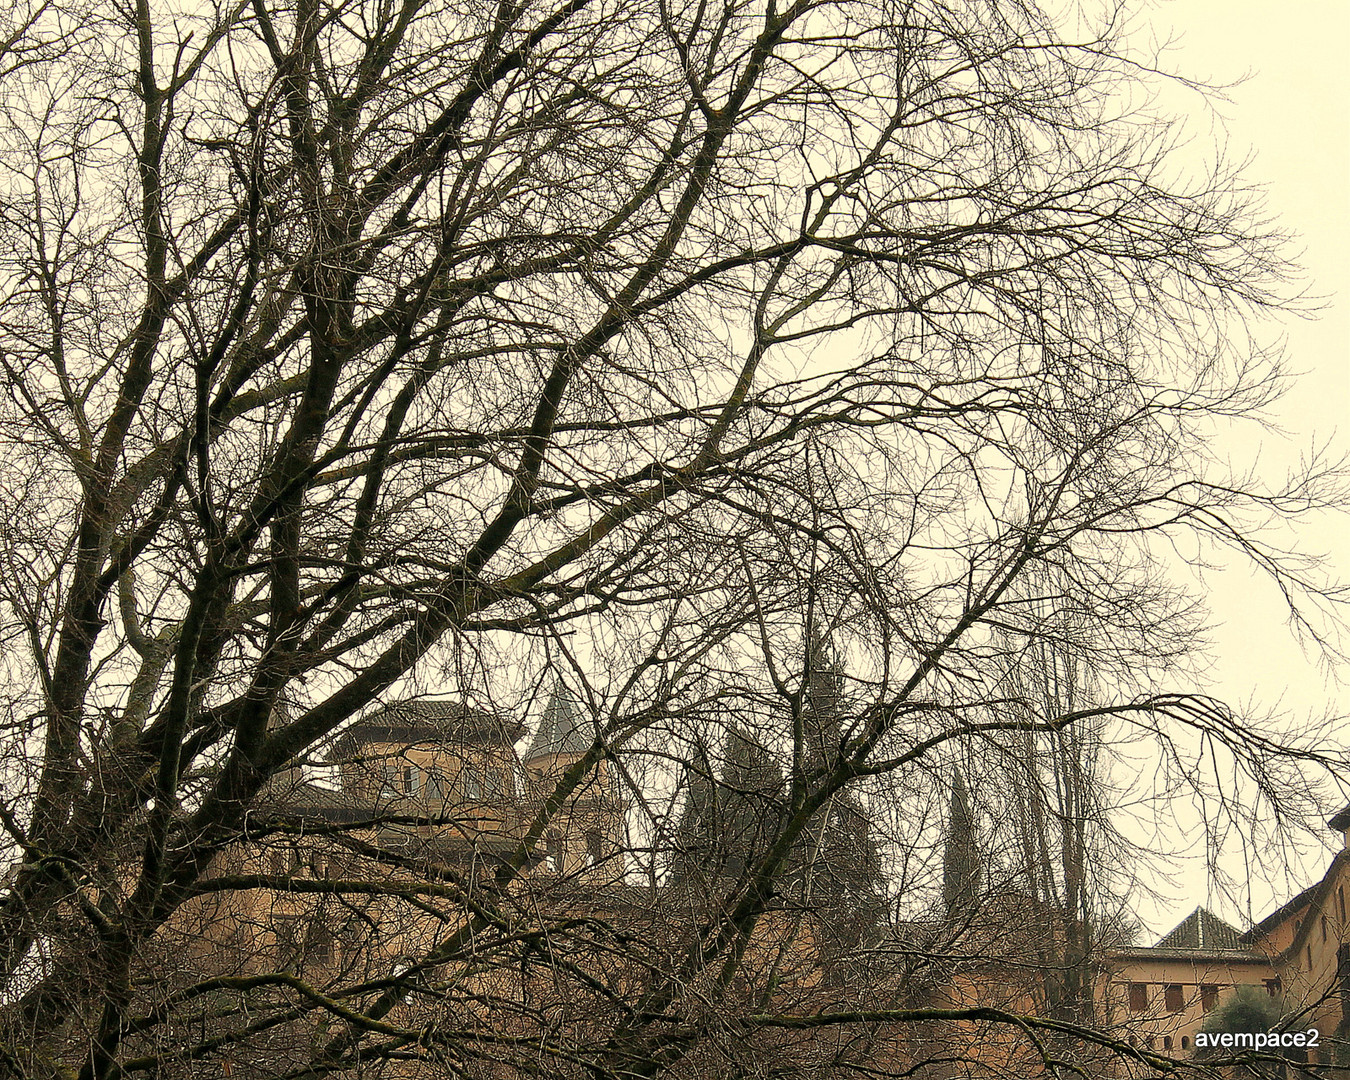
x,y
319,944
1185,1042
1209,997
1274,986
409,779
471,781
1173,997
594,851
388,778
1340,896
492,783
553,853
1148,1042
1138,997
1167,1042
1309,955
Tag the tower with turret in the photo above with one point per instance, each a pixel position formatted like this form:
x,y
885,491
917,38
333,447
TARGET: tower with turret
x,y
585,832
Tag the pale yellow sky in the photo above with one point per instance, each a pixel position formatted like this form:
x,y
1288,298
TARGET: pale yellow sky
x,y
1293,115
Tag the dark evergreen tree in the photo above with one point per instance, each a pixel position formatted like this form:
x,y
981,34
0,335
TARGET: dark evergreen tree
x,y
823,702
837,870
733,811
730,815
961,864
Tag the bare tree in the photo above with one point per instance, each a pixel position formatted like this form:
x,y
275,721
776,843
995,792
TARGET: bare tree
x,y
350,344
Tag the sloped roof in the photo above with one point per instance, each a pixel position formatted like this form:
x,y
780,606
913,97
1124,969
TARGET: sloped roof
x,y
561,728
1311,897
1202,929
426,720
293,797
1341,821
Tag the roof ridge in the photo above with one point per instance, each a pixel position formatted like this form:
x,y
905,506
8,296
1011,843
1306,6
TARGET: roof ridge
x,y
1208,930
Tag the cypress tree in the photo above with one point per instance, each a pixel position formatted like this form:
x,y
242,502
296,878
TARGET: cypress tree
x,y
961,863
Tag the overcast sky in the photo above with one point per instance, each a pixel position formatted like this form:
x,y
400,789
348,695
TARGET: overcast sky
x,y
1292,113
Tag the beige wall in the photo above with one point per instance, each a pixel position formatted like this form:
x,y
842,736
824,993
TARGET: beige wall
x,y
1304,948
1158,1025
1300,951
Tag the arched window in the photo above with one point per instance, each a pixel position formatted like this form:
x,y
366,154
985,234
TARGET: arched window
x,y
1185,1042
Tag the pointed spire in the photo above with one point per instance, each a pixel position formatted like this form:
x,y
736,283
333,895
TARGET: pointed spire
x,y
560,728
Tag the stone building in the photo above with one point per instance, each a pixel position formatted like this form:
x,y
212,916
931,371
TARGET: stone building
x,y
1162,996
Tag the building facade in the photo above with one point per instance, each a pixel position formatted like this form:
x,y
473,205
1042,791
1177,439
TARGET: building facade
x,y
1162,997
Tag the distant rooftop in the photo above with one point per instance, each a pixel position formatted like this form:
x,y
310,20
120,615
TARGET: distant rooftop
x,y
561,729
1202,929
1341,821
424,720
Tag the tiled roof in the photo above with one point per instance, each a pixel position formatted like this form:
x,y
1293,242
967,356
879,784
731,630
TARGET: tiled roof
x,y
427,720
561,729
1202,929
292,797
